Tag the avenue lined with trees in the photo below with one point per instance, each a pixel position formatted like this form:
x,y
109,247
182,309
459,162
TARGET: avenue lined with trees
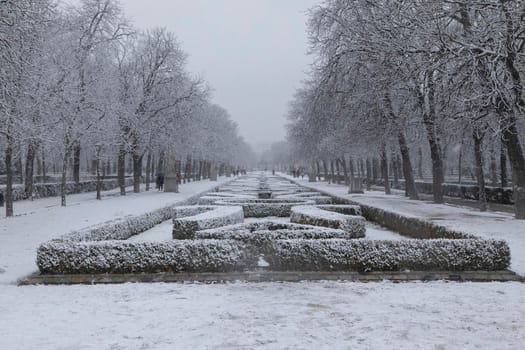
x,y
81,90
410,88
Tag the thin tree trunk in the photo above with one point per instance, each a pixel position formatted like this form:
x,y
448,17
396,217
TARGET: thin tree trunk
x,y
121,170
429,119
148,166
63,183
99,179
368,174
410,184
478,156
420,163
76,162
44,170
325,171
9,172
345,171
493,168
332,174
503,165
137,169
30,165
395,166
384,169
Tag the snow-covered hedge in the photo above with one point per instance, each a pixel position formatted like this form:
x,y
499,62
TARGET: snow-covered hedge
x,y
257,233
187,220
314,196
318,216
120,229
365,255
411,227
258,208
211,198
53,189
137,257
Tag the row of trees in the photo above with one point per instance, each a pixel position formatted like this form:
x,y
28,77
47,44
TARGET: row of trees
x,y
434,79
80,82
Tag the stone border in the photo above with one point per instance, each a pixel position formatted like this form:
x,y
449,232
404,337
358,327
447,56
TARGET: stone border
x,y
266,276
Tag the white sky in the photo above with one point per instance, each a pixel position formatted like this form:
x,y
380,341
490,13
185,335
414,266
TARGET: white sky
x,y
251,52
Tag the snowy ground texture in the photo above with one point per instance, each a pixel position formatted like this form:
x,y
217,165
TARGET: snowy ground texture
x,y
308,315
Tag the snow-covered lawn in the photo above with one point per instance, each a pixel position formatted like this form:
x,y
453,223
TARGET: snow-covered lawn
x,y
307,315
310,315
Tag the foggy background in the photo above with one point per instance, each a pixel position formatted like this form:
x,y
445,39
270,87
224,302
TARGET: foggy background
x,y
252,52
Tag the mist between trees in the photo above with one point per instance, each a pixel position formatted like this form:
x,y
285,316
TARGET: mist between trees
x,y
415,88
82,90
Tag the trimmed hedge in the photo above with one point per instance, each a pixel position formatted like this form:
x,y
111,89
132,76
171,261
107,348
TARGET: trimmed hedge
x,y
41,190
258,208
188,220
138,257
364,255
317,216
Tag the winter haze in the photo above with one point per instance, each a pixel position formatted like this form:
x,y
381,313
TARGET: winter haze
x,y
253,53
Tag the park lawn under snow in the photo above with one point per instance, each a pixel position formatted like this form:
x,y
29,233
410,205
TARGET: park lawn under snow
x,y
307,315
495,225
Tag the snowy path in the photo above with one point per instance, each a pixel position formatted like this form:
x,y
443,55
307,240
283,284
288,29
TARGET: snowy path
x,y
488,224
42,219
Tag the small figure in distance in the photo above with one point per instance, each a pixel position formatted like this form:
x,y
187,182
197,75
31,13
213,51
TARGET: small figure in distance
x,y
160,181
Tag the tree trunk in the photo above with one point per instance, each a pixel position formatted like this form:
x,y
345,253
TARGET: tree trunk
x,y
478,156
395,170
517,163
99,179
311,172
137,170
30,165
121,171
420,163
332,174
65,165
410,184
44,170
338,170
384,169
325,170
345,171
148,166
503,165
430,122
9,172
368,174
76,162
493,168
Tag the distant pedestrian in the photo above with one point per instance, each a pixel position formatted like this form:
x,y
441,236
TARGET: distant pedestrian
x,y
1,199
179,177
160,181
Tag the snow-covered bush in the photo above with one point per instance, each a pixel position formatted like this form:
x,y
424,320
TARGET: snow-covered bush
x,y
120,229
258,208
314,215
138,257
365,255
408,226
41,190
188,220
213,197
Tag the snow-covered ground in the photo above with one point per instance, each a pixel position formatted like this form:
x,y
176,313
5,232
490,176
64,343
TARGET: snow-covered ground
x,y
307,315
